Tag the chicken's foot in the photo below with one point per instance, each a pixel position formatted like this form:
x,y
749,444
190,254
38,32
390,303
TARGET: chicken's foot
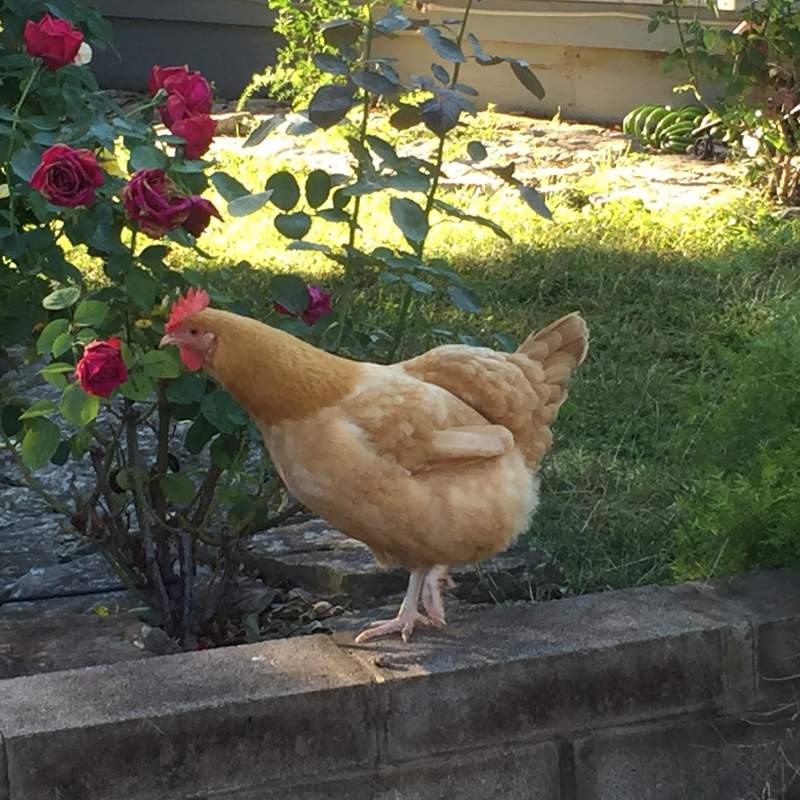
x,y
432,600
406,618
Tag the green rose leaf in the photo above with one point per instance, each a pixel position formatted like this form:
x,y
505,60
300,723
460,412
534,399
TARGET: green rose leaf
x,y
318,187
293,226
248,204
410,218
330,105
62,298
527,78
90,312
161,364
147,157
464,299
187,389
177,488
289,291
40,443
224,450
46,338
138,386
228,187
40,408
77,407
285,191
222,411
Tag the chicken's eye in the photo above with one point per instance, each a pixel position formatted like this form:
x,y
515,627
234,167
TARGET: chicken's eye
x,y
193,331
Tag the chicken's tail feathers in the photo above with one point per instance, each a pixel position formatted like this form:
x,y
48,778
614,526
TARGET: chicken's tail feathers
x,y
563,343
560,349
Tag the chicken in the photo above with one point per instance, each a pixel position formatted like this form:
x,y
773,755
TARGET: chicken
x,y
431,462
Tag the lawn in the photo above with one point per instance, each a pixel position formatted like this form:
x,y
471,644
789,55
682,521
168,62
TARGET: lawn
x,y
666,293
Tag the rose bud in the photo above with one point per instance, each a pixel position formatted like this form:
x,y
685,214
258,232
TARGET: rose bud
x,y
53,40
101,368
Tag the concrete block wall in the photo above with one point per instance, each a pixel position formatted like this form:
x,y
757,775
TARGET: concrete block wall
x,y
656,693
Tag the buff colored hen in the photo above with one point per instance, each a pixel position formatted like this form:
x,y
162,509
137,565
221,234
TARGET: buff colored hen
x,y
431,462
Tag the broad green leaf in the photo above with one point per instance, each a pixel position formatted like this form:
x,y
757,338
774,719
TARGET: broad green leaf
x,y
141,288
293,226
79,444
441,112
410,218
342,32
334,215
445,47
198,435
317,248
375,83
61,455
77,407
228,187
464,299
161,364
62,298
145,156
440,73
40,443
61,344
224,450
53,329
186,389
476,151
90,312
154,255
40,408
289,291
248,204
330,105
405,117
10,420
327,62
138,386
285,191
318,187
54,373
423,287
383,150
222,411
527,78
24,164
177,488
262,131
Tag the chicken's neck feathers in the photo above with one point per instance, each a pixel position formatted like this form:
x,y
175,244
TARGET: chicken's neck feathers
x,y
273,375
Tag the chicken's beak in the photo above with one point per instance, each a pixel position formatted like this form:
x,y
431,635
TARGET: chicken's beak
x,y
166,339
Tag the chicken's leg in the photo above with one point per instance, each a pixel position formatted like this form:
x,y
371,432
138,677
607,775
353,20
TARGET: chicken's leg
x,y
406,618
432,593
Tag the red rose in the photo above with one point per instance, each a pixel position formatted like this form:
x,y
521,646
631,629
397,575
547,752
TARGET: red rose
x,y
187,97
53,40
319,304
67,177
153,201
101,368
200,214
159,76
198,131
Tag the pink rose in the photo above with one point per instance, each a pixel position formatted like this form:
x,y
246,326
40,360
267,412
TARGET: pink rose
x,y
198,131
101,368
67,177
53,40
153,201
319,304
200,214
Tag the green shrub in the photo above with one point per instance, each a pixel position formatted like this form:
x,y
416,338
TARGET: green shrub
x,y
743,509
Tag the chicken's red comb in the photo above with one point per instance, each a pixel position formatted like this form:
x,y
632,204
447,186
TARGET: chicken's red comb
x,y
193,301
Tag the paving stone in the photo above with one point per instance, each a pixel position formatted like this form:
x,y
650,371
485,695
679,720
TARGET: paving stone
x,y
324,561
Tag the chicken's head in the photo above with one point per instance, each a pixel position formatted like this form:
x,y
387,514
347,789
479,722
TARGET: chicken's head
x,y
185,329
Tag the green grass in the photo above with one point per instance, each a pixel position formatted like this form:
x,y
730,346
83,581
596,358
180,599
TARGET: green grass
x,y
664,295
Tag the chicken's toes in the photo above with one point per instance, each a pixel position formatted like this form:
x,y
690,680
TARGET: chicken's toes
x,y
403,624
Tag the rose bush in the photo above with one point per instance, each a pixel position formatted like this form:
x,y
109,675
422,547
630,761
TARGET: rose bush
x,y
81,177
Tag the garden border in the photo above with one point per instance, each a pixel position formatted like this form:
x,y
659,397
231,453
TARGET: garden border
x,y
607,695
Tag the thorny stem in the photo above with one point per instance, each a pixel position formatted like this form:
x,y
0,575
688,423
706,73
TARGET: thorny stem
x,y
344,308
407,301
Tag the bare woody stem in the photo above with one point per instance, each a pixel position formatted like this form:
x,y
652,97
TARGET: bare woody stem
x,y
142,517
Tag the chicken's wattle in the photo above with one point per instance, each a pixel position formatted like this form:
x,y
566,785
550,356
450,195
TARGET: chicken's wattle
x,y
191,359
